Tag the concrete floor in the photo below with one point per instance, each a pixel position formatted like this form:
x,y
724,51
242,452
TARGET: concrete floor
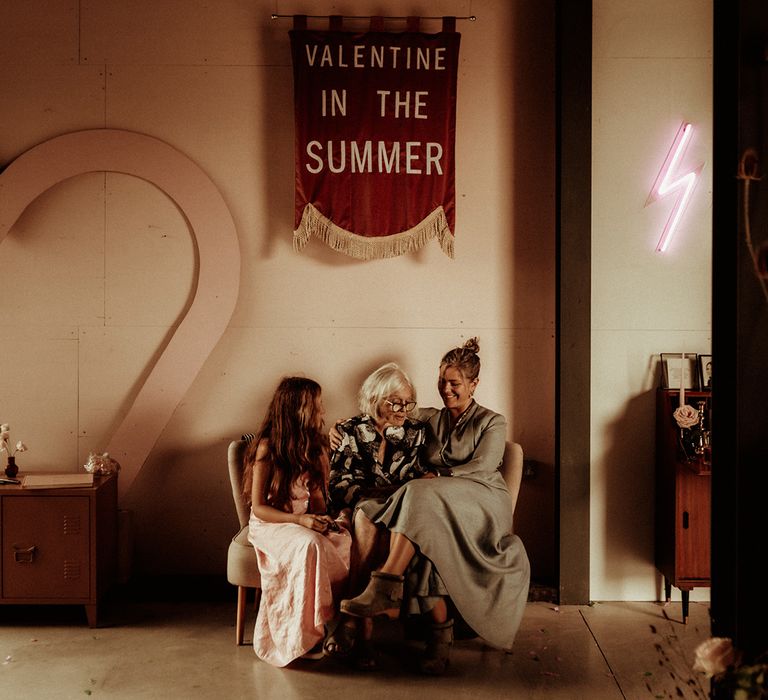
x,y
187,650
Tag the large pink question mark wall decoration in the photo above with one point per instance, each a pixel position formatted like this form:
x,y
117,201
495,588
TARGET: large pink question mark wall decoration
x,y
218,252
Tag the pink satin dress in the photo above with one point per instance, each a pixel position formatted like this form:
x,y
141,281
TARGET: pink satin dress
x,y
302,573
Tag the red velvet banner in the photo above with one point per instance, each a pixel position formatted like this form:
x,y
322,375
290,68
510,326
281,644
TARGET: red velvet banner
x,y
375,117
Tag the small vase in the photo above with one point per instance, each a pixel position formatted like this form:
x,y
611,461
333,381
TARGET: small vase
x,y
11,470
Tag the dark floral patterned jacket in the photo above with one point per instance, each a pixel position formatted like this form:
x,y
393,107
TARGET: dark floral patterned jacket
x,y
355,470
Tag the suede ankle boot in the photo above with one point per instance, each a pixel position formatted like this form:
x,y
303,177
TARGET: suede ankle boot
x,y
439,642
382,596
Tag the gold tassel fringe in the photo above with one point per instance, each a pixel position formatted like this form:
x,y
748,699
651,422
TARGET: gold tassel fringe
x,y
313,223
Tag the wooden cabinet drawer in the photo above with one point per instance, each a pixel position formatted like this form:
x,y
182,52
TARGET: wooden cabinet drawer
x,y
46,547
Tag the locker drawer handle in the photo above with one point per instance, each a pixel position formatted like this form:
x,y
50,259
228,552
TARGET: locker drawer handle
x,y
24,556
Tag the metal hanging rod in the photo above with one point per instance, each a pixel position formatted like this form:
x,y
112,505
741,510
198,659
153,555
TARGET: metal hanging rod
x,y
471,18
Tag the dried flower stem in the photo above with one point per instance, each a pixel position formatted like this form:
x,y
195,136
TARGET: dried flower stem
x,y
747,173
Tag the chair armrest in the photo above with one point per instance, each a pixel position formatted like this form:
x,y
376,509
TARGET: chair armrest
x,y
512,470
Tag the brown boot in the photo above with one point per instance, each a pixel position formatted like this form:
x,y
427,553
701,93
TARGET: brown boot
x,y
439,641
382,596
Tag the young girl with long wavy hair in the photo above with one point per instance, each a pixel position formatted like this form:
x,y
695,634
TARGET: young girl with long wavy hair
x,y
303,553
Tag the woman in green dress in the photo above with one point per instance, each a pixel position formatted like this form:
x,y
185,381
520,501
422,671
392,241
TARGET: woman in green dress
x,y
452,537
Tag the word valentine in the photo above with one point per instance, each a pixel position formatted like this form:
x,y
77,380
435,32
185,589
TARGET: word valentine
x,y
362,56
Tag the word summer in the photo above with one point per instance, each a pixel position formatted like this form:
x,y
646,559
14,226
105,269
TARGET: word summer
x,y
362,157
362,56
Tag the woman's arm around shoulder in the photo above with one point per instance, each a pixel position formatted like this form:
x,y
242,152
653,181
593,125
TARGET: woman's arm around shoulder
x,y
341,428
341,435
423,413
349,466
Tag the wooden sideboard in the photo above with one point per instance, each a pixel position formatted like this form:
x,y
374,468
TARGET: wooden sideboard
x,y
58,545
683,503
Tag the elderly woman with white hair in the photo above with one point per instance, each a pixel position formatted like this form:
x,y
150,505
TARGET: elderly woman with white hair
x,y
450,540
377,454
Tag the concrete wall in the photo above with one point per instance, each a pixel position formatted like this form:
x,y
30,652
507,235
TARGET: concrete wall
x,y
652,70
97,273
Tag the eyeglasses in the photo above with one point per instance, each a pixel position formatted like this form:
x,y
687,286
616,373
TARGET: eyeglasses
x,y
398,406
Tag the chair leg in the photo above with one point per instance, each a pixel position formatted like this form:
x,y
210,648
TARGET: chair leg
x,y
242,595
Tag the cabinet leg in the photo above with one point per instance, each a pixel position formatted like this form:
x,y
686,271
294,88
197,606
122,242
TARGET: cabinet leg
x,y
90,611
667,589
684,595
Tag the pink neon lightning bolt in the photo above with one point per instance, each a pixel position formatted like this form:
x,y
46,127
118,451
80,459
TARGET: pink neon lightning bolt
x,y
665,184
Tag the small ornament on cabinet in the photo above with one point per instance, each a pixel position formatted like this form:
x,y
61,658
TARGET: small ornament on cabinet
x,y
11,468
679,371
695,437
705,372
704,446
101,464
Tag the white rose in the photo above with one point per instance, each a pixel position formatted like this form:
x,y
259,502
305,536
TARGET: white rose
x,y
686,416
715,655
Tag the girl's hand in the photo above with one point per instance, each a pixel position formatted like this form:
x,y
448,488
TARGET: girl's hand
x,y
318,523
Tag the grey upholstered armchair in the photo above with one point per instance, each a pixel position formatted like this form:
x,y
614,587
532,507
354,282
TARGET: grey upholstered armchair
x,y
242,567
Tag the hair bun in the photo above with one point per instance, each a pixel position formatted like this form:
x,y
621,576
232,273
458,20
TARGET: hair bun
x,y
465,358
472,345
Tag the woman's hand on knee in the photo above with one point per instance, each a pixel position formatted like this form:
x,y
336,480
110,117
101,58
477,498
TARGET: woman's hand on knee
x,y
344,519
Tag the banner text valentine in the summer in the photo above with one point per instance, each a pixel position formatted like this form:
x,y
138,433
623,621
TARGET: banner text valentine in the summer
x,y
375,117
